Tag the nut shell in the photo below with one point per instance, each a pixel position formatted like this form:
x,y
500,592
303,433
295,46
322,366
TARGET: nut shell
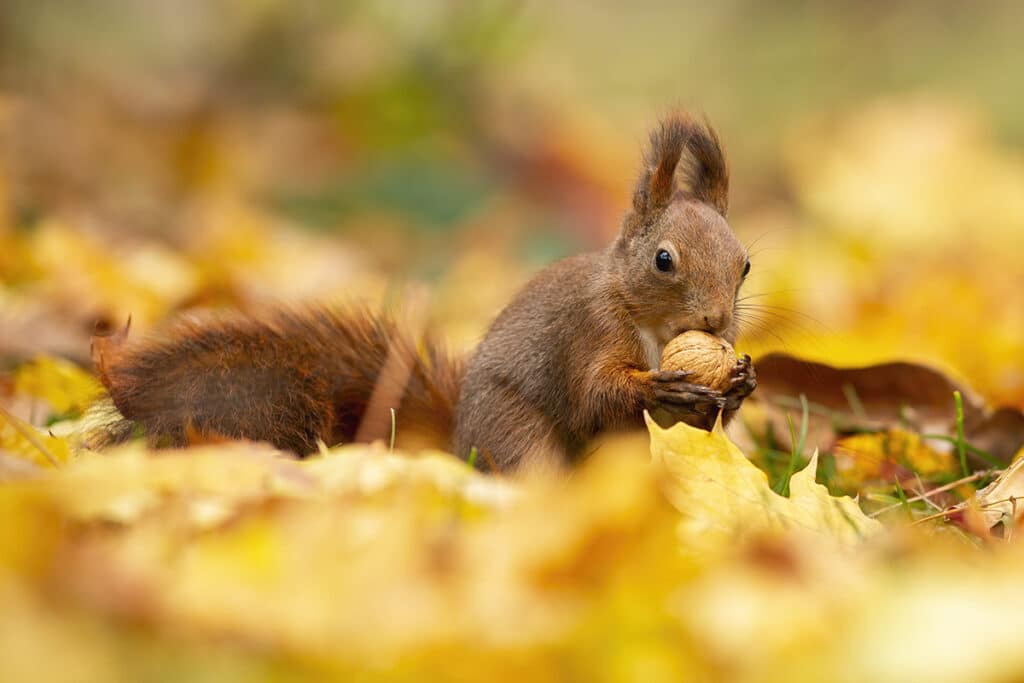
x,y
709,359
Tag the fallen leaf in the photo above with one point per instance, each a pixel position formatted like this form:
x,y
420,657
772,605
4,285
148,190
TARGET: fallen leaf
x,y
62,384
1002,501
722,496
21,439
885,396
1001,433
881,455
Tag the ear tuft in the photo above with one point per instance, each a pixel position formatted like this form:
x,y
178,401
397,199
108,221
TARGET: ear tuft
x,y
706,173
681,140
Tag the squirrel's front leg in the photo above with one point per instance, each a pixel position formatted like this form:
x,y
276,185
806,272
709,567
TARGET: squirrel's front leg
x,y
617,395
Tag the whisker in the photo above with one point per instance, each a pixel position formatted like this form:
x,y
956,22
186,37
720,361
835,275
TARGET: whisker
x,y
780,312
791,329
767,233
761,328
772,293
775,321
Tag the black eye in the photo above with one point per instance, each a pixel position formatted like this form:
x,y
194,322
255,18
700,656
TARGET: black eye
x,y
746,268
663,261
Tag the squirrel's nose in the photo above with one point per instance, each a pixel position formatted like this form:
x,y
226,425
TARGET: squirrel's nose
x,y
716,323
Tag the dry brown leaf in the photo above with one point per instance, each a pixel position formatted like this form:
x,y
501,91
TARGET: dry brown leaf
x,y
886,393
884,396
1001,433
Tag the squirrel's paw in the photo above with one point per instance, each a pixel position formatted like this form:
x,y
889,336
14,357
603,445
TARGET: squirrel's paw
x,y
672,392
742,383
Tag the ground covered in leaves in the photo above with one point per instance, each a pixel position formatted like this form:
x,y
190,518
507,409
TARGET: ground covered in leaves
x,y
237,562
857,522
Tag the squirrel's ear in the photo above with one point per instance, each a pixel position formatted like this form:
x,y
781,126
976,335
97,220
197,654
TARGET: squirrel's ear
x,y
695,144
657,182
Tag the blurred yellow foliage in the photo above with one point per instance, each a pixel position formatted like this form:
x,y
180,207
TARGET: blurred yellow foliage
x,y
21,439
908,174
90,273
864,457
388,565
905,247
65,386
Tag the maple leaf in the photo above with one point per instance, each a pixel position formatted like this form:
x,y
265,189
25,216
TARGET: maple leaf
x,y
721,495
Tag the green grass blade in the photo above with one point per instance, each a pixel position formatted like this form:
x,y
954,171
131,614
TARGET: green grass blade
x,y
960,443
782,487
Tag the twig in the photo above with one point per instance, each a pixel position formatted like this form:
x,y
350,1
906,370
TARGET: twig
x,y
946,487
923,493
1009,499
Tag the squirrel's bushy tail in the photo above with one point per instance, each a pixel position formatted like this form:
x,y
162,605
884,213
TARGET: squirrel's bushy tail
x,y
294,378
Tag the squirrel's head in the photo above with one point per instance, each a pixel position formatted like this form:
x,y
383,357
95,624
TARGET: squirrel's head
x,y
676,251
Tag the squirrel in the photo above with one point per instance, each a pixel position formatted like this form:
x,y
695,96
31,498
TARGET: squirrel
x,y
575,353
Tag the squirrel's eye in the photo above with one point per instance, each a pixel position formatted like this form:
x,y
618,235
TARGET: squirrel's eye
x,y
746,269
663,261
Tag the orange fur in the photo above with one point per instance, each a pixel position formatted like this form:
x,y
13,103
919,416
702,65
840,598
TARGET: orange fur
x,y
293,378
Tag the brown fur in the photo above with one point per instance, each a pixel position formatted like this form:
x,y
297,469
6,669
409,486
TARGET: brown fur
x,y
704,168
293,379
574,354
566,359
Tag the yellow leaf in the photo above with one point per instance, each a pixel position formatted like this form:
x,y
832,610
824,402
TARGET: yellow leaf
x,y
863,456
366,470
64,385
721,495
21,439
100,276
124,484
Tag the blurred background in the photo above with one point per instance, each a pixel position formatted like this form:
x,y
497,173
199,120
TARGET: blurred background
x,y
157,157
161,156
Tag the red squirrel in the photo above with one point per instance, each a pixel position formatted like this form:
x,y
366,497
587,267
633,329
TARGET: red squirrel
x,y
574,354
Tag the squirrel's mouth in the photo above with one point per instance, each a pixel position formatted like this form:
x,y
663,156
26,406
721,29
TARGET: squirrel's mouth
x,y
676,330
670,329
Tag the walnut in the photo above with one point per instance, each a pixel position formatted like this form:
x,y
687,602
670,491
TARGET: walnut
x,y
708,359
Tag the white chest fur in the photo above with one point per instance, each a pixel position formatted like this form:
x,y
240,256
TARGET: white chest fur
x,y
652,347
